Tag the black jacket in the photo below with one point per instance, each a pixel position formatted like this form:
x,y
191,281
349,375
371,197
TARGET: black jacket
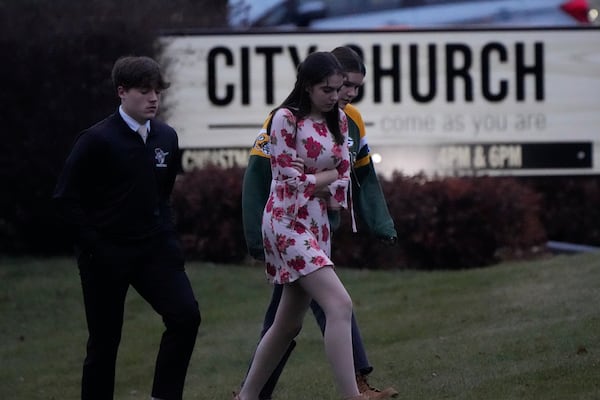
x,y
114,187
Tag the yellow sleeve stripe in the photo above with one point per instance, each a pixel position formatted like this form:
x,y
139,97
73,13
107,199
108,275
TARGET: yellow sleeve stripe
x,y
361,162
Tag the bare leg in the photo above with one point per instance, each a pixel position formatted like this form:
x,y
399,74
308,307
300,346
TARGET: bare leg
x,y
288,321
325,287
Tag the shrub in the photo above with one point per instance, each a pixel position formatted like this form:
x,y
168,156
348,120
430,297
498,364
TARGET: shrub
x,y
208,210
569,205
442,223
449,223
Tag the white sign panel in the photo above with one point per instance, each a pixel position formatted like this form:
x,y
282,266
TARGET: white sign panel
x,y
485,101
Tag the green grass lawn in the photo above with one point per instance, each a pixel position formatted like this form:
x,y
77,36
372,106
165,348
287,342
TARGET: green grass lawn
x,y
526,331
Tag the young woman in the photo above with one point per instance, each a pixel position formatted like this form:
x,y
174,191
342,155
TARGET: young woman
x,y
296,231
369,205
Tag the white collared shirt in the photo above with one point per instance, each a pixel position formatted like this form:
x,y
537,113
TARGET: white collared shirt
x,y
132,123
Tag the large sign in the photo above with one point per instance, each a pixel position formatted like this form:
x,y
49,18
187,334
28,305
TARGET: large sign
x,y
467,102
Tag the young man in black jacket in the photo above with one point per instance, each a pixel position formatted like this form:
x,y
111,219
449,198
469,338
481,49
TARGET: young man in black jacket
x,y
113,194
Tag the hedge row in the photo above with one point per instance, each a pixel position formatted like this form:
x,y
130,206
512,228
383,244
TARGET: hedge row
x,y
443,223
208,209
450,223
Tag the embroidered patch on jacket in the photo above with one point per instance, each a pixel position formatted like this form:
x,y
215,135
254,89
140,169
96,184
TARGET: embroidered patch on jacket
x,y
160,157
262,144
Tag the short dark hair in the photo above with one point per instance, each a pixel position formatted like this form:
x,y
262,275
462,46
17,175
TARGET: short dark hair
x,y
349,59
138,72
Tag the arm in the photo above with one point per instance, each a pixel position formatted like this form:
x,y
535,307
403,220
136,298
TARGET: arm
x,y
293,187
69,192
255,192
372,205
339,188
165,205
325,178
255,189
368,195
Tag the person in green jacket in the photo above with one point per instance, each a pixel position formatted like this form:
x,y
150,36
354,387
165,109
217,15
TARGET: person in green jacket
x,y
369,203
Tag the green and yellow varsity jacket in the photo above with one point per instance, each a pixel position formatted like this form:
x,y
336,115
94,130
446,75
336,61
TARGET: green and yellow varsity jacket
x,y
369,202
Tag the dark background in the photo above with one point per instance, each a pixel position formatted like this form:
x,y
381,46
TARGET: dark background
x,y
57,58
56,62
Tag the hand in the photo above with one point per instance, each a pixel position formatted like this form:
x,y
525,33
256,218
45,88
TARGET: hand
x,y
257,253
388,240
99,253
322,193
334,204
298,165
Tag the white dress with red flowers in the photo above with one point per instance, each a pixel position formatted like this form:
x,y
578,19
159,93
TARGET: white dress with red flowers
x,y
295,225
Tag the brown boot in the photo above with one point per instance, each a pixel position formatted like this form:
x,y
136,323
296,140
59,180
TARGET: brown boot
x,y
371,393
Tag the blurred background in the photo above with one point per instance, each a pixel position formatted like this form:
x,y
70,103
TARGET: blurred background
x,y
58,56
362,14
57,61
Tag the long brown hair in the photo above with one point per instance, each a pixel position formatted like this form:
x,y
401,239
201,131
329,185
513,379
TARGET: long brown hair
x,y
316,68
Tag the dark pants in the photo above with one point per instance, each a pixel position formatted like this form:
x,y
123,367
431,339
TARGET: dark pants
x,y
155,269
361,363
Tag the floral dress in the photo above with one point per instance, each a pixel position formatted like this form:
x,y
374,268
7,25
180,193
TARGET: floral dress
x,y
295,225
